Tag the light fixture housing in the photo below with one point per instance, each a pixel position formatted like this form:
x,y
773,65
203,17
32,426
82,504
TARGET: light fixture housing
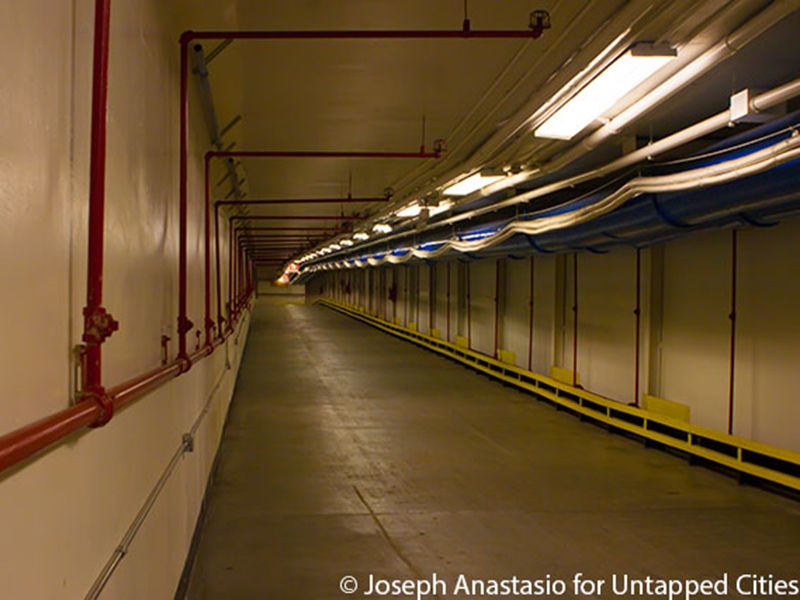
x,y
443,206
410,211
472,183
629,70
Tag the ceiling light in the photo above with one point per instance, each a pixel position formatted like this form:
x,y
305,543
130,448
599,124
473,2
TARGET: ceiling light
x,y
361,236
471,184
410,211
605,90
334,247
440,208
346,242
382,228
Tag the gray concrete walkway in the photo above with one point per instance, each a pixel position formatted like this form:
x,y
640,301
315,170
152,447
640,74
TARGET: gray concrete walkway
x,y
349,452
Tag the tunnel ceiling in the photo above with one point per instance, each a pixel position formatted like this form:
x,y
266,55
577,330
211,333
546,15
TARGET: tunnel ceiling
x,y
372,95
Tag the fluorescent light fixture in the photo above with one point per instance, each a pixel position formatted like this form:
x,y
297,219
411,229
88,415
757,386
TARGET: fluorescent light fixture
x,y
471,184
346,242
611,85
440,208
334,247
410,211
361,236
382,228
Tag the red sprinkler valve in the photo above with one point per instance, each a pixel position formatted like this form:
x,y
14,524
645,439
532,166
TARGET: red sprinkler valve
x,y
98,325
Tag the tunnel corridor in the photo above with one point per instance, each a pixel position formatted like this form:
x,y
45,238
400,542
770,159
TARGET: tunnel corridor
x,y
313,300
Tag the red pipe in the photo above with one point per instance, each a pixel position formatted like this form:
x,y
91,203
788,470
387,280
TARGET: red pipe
x,y
278,245
448,302
349,199
417,295
184,324
431,304
209,323
318,154
26,441
137,387
530,313
30,439
496,306
536,29
220,319
469,308
98,323
575,319
231,237
465,33
405,296
297,217
732,317
245,228
282,236
638,313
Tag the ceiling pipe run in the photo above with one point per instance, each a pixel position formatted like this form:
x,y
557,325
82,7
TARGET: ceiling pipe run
x,y
326,229
297,217
539,21
348,199
759,103
320,154
731,44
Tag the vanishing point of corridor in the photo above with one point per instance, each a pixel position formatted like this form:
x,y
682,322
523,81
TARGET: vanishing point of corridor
x,y
349,452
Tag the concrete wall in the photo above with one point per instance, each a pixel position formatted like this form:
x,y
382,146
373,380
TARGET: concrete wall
x,y
685,330
64,512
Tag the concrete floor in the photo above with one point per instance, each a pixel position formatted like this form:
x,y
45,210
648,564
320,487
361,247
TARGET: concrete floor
x,y
350,452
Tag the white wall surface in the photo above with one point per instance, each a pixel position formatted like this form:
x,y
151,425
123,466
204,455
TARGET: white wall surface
x,y
544,313
482,284
696,329
516,298
685,329
64,512
768,330
606,322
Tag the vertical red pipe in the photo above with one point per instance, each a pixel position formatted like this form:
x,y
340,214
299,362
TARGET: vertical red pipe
x,y
405,297
448,302
383,293
638,314
732,317
496,306
184,325
469,307
97,179
231,241
431,287
209,323
417,294
530,316
220,321
575,319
